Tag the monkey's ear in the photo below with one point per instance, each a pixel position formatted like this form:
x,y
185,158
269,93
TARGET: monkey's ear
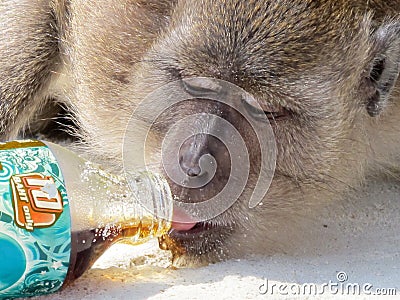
x,y
385,67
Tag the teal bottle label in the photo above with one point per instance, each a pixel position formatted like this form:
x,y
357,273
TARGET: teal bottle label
x,y
35,223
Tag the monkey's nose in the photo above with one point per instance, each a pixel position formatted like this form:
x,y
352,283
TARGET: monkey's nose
x,y
190,166
191,153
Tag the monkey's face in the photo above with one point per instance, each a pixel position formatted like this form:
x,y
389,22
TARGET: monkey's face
x,y
309,67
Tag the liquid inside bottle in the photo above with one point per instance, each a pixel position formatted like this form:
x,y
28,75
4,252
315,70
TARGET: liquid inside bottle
x,y
108,208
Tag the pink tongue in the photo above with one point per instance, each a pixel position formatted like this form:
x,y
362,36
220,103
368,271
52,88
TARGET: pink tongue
x,y
181,220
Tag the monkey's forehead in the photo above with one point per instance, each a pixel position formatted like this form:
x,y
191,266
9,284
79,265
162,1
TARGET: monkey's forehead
x,y
259,37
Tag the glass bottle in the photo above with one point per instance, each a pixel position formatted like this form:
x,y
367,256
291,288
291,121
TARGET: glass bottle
x,y
59,213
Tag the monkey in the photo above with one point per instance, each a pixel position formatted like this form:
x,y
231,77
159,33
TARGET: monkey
x,y
324,73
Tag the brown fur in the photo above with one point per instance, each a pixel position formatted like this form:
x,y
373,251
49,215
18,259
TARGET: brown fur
x,y
312,58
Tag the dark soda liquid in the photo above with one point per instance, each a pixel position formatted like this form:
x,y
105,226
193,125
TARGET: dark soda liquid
x,y
88,245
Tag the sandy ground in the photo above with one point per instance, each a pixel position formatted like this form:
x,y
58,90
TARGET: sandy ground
x,y
363,241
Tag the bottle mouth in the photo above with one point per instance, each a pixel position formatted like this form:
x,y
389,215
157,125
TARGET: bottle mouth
x,y
154,195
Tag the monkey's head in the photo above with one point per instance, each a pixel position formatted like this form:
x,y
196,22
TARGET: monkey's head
x,y
322,73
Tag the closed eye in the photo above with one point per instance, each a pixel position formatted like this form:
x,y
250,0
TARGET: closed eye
x,y
262,111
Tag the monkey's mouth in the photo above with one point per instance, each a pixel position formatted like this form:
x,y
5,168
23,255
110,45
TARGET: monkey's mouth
x,y
200,244
190,234
184,225
195,239
198,228
192,241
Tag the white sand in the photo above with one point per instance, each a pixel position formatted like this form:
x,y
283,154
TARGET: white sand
x,y
363,241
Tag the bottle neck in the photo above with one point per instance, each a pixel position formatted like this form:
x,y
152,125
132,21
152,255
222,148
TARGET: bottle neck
x,y
137,211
